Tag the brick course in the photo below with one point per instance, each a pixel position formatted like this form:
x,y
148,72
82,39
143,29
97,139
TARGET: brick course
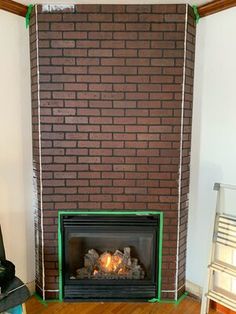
x,y
108,132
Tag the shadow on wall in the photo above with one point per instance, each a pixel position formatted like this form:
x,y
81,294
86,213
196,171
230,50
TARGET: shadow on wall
x,y
27,159
202,208
203,175
16,210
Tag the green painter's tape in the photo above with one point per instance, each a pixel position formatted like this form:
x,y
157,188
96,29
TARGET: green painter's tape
x,y
196,13
60,256
160,256
45,303
181,298
154,300
40,299
175,302
28,15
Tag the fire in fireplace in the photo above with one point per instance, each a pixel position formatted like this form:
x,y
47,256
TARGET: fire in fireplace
x,y
118,265
110,257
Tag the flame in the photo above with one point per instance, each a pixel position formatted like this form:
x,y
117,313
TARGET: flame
x,y
108,261
116,261
111,263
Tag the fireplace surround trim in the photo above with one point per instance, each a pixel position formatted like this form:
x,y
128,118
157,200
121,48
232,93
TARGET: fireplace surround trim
x,y
142,213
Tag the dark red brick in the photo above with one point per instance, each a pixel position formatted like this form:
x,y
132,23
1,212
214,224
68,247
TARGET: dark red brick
x,y
110,98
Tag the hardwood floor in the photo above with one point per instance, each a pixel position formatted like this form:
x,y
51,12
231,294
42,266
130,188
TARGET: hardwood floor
x,y
187,306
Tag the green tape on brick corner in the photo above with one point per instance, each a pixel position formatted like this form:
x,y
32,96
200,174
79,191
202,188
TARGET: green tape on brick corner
x,y
44,302
37,296
28,15
173,301
196,13
182,297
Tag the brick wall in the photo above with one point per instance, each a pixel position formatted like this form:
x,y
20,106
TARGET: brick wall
x,y
186,146
112,97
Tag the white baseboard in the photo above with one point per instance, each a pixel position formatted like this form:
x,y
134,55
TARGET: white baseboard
x,y
194,289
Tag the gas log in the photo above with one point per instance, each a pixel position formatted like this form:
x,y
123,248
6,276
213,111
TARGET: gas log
x,y
118,265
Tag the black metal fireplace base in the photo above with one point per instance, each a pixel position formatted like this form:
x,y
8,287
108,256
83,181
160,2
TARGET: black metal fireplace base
x,y
109,293
109,233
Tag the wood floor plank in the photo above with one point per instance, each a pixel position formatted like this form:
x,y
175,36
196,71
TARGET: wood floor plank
x,y
187,306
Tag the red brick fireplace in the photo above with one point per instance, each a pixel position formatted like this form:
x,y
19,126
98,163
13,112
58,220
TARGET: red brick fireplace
x,y
111,111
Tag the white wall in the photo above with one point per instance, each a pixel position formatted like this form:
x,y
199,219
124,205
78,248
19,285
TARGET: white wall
x,y
214,131
16,215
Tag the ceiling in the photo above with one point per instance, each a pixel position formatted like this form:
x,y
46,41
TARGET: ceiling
x,y
191,2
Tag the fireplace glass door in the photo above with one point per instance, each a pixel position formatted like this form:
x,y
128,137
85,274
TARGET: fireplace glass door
x,y
110,257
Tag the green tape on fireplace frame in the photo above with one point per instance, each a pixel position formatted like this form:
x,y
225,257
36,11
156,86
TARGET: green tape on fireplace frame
x,y
160,237
160,255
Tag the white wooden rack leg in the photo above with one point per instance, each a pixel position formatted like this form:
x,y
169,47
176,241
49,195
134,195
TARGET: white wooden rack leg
x,y
224,233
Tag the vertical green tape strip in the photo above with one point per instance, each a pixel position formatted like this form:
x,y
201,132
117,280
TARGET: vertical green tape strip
x,y
196,13
159,277
60,257
28,15
160,244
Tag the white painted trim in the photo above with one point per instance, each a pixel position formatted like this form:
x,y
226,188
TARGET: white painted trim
x,y
40,151
47,290
181,153
126,2
36,216
172,291
181,287
50,8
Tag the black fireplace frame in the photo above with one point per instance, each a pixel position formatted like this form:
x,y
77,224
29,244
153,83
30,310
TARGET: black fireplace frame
x,y
101,215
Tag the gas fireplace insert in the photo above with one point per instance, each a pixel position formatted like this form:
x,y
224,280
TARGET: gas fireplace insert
x,y
109,256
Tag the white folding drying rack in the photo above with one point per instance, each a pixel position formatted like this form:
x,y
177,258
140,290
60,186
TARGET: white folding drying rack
x,y
224,234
